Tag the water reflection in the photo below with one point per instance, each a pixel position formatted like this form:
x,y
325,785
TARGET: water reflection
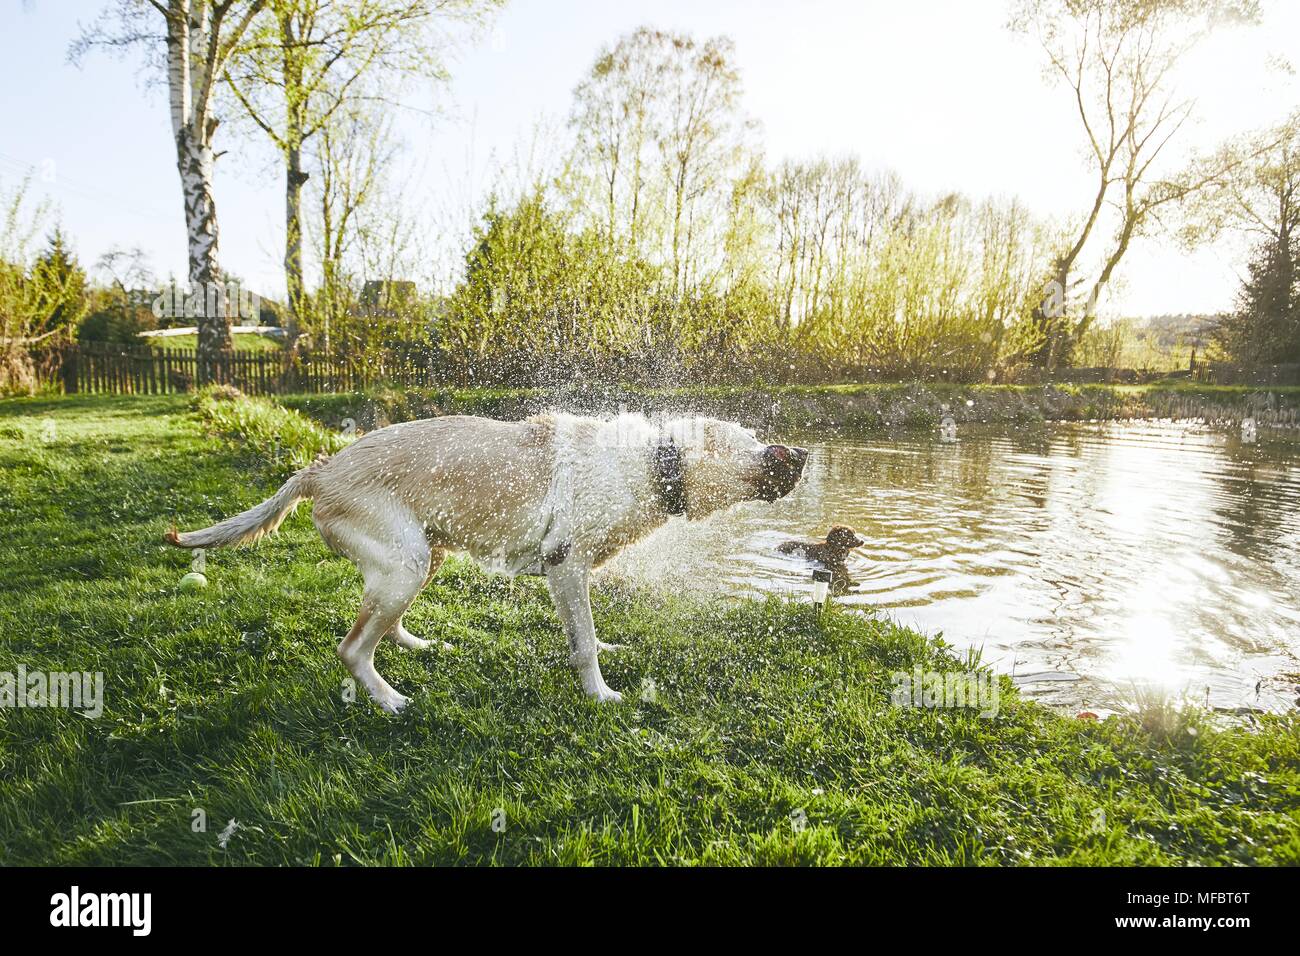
x,y
1081,557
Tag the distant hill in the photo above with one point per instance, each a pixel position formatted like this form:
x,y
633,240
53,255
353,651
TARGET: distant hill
x,y
1181,328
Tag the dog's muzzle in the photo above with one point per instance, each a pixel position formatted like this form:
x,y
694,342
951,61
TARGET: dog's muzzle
x,y
780,471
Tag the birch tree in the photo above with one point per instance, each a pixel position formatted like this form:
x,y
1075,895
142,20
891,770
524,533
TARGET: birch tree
x,y
192,41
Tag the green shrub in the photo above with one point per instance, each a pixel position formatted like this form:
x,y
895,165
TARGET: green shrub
x,y
286,440
116,324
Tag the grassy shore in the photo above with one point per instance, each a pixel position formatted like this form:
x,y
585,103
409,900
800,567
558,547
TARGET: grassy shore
x,y
770,738
872,407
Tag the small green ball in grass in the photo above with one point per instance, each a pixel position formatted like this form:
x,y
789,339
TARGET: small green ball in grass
x,y
193,582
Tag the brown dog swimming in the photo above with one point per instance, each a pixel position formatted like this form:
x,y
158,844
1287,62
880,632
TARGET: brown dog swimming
x,y
840,540
830,554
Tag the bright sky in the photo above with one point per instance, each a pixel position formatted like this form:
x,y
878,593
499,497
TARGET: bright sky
x,y
937,90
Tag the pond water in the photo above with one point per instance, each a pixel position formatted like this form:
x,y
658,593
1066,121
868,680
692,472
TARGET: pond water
x,y
1084,559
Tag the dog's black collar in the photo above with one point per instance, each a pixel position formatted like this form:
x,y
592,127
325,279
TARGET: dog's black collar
x,y
669,480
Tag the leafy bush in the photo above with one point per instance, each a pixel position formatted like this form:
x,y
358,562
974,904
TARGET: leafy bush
x,y
282,439
117,324
41,295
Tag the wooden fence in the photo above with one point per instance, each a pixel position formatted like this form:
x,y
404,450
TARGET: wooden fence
x,y
1222,373
124,370
136,370
144,371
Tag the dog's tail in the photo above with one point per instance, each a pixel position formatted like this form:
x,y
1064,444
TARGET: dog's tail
x,y
256,521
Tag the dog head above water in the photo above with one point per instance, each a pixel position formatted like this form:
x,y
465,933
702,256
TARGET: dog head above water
x,y
843,538
782,466
724,464
700,465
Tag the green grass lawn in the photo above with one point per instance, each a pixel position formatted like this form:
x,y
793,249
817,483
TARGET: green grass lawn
x,y
230,701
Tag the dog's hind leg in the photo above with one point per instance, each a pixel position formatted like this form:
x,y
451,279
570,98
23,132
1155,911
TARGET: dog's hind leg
x,y
394,577
569,584
399,635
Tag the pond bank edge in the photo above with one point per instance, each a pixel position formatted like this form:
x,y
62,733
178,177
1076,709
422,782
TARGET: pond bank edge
x,y
890,407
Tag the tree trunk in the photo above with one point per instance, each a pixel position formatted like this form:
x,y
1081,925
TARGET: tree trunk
x,y
194,158
197,44
294,180
296,100
679,191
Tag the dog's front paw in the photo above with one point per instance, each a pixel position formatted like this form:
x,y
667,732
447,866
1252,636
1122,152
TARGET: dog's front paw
x,y
392,703
602,693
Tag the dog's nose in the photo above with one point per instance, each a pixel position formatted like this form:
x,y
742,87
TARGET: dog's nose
x,y
787,455
782,467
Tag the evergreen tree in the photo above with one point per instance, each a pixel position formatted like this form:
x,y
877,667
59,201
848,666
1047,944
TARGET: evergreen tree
x,y
1265,328
60,285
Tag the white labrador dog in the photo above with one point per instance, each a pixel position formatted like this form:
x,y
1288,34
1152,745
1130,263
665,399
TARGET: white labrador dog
x,y
554,495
